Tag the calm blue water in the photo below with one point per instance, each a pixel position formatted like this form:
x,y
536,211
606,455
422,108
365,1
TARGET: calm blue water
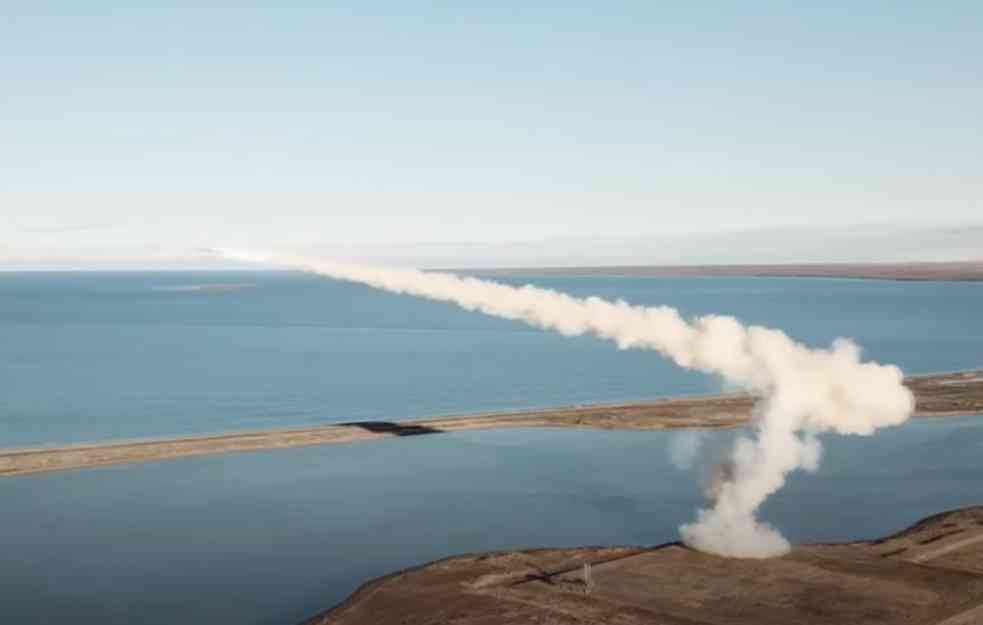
x,y
272,538
92,356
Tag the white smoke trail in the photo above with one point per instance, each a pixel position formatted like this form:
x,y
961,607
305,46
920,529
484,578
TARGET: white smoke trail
x,y
802,392
684,448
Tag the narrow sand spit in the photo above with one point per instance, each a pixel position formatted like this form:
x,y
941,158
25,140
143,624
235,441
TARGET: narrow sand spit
x,y
947,394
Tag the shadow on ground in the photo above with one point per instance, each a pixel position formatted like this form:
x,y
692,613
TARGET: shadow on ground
x,y
396,429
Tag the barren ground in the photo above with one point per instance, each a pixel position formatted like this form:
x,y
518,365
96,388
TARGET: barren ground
x,y
930,574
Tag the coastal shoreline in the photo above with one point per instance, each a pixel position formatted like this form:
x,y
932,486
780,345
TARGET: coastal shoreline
x,y
931,570
939,395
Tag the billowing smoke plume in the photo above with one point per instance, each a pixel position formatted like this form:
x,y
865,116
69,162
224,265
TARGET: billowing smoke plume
x,y
802,392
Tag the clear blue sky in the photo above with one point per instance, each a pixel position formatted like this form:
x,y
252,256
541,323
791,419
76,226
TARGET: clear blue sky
x,y
138,130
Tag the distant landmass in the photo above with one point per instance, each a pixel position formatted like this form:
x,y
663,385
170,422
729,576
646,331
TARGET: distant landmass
x,y
956,271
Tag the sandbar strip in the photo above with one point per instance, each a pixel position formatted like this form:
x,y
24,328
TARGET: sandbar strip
x,y
948,394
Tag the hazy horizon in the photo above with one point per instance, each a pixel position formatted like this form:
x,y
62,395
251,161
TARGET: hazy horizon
x,y
489,135
847,244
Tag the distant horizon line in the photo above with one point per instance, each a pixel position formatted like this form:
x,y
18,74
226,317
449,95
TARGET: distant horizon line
x,y
600,267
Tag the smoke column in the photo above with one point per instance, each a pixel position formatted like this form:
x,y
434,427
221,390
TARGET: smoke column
x,y
801,392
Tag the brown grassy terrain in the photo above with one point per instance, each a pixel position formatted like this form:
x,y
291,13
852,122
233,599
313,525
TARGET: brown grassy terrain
x,y
930,574
937,395
952,271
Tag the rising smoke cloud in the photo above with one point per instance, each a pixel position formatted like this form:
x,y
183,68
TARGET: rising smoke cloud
x,y
684,448
801,392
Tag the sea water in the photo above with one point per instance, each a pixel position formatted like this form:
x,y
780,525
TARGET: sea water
x,y
273,537
97,356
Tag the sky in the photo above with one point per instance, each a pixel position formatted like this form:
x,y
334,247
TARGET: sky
x,y
136,133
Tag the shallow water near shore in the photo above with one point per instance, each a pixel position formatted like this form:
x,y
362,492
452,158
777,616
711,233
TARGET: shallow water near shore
x,y
101,356
275,537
